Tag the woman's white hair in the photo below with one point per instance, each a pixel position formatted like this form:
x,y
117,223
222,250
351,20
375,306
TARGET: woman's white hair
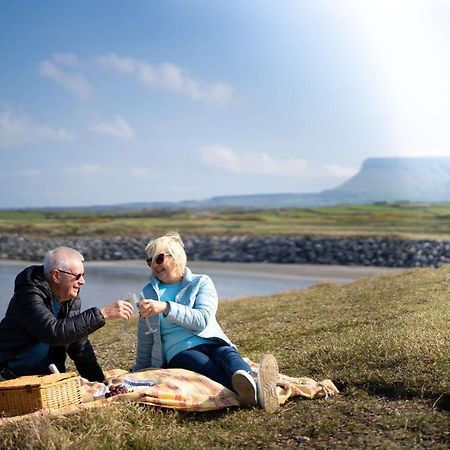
x,y
170,243
60,258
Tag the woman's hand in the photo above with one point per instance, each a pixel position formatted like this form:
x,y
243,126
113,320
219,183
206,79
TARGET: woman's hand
x,y
149,307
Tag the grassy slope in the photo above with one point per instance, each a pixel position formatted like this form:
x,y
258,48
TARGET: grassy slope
x,y
406,220
383,341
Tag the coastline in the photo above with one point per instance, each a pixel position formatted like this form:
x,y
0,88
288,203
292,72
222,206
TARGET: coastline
x,y
322,272
108,279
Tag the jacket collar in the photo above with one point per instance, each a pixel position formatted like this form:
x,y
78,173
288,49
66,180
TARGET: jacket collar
x,y
187,278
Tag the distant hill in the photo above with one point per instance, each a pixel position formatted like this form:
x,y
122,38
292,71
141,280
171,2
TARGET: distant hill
x,y
379,180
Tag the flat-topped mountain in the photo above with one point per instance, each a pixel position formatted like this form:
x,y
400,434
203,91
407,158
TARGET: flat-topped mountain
x,y
386,179
379,179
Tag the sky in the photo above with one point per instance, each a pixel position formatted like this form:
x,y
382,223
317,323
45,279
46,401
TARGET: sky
x,y
109,102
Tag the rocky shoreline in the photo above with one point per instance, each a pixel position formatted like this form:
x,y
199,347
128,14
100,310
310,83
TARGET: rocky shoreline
x,y
349,251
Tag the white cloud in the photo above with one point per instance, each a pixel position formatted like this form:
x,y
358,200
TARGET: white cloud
x,y
120,64
30,173
118,128
112,172
171,78
407,152
140,172
74,81
338,171
67,59
17,130
84,169
261,163
251,162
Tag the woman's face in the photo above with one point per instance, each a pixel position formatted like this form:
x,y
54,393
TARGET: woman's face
x,y
165,269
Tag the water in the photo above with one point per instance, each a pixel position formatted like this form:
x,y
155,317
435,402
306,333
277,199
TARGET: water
x,y
108,281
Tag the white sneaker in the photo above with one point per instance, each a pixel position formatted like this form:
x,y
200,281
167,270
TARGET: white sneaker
x,y
266,383
244,385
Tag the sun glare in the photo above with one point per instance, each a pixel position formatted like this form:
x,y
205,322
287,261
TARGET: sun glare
x,y
407,52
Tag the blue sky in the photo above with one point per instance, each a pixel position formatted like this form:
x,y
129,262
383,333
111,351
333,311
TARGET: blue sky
x,y
105,102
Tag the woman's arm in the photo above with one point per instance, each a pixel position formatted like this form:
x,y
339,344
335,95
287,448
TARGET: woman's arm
x,y
203,304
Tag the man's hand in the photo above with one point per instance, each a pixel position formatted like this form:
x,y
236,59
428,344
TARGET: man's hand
x,y
120,309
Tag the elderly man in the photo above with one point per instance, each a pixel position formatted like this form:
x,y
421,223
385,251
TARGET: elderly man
x,y
43,322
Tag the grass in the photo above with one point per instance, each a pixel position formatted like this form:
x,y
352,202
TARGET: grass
x,y
384,342
404,220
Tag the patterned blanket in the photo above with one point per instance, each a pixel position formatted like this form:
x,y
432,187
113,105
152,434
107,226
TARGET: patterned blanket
x,y
179,389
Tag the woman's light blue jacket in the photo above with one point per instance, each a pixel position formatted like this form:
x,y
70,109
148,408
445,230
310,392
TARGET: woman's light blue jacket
x,y
194,308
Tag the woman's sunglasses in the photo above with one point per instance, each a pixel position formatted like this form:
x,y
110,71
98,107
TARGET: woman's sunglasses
x,y
158,260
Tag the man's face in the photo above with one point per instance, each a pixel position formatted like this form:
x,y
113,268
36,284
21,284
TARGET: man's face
x,y
64,283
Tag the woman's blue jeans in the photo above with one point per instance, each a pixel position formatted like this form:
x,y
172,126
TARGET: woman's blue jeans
x,y
217,362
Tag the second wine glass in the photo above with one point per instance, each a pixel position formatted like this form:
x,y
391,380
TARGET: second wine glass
x,y
134,299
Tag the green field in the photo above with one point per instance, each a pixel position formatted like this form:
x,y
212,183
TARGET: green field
x,y
402,220
383,341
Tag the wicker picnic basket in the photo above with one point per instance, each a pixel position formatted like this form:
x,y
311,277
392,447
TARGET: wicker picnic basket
x,y
30,393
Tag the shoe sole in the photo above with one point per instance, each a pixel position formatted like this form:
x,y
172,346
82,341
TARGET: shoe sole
x,y
267,382
245,390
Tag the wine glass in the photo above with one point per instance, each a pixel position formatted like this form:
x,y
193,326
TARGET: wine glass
x,y
134,299
130,299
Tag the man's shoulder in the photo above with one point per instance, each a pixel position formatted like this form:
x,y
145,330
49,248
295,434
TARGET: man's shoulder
x,y
32,281
30,276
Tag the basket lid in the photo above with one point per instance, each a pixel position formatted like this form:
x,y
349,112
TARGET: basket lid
x,y
37,380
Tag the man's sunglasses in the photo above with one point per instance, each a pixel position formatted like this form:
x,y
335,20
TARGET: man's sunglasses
x,y
158,260
76,275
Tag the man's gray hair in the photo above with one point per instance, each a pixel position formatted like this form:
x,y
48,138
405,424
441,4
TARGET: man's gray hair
x,y
60,258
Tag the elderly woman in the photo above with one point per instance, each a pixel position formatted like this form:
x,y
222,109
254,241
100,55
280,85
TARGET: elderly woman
x,y
181,310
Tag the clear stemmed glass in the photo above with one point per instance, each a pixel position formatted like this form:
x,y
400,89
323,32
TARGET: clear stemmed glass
x,y
134,299
130,300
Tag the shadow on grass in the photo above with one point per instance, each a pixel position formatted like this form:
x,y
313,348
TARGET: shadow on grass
x,y
443,402
204,416
398,391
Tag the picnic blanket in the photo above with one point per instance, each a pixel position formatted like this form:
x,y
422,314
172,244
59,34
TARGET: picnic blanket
x,y
179,389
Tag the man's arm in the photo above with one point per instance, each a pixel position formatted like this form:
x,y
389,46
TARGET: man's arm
x,y
85,361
